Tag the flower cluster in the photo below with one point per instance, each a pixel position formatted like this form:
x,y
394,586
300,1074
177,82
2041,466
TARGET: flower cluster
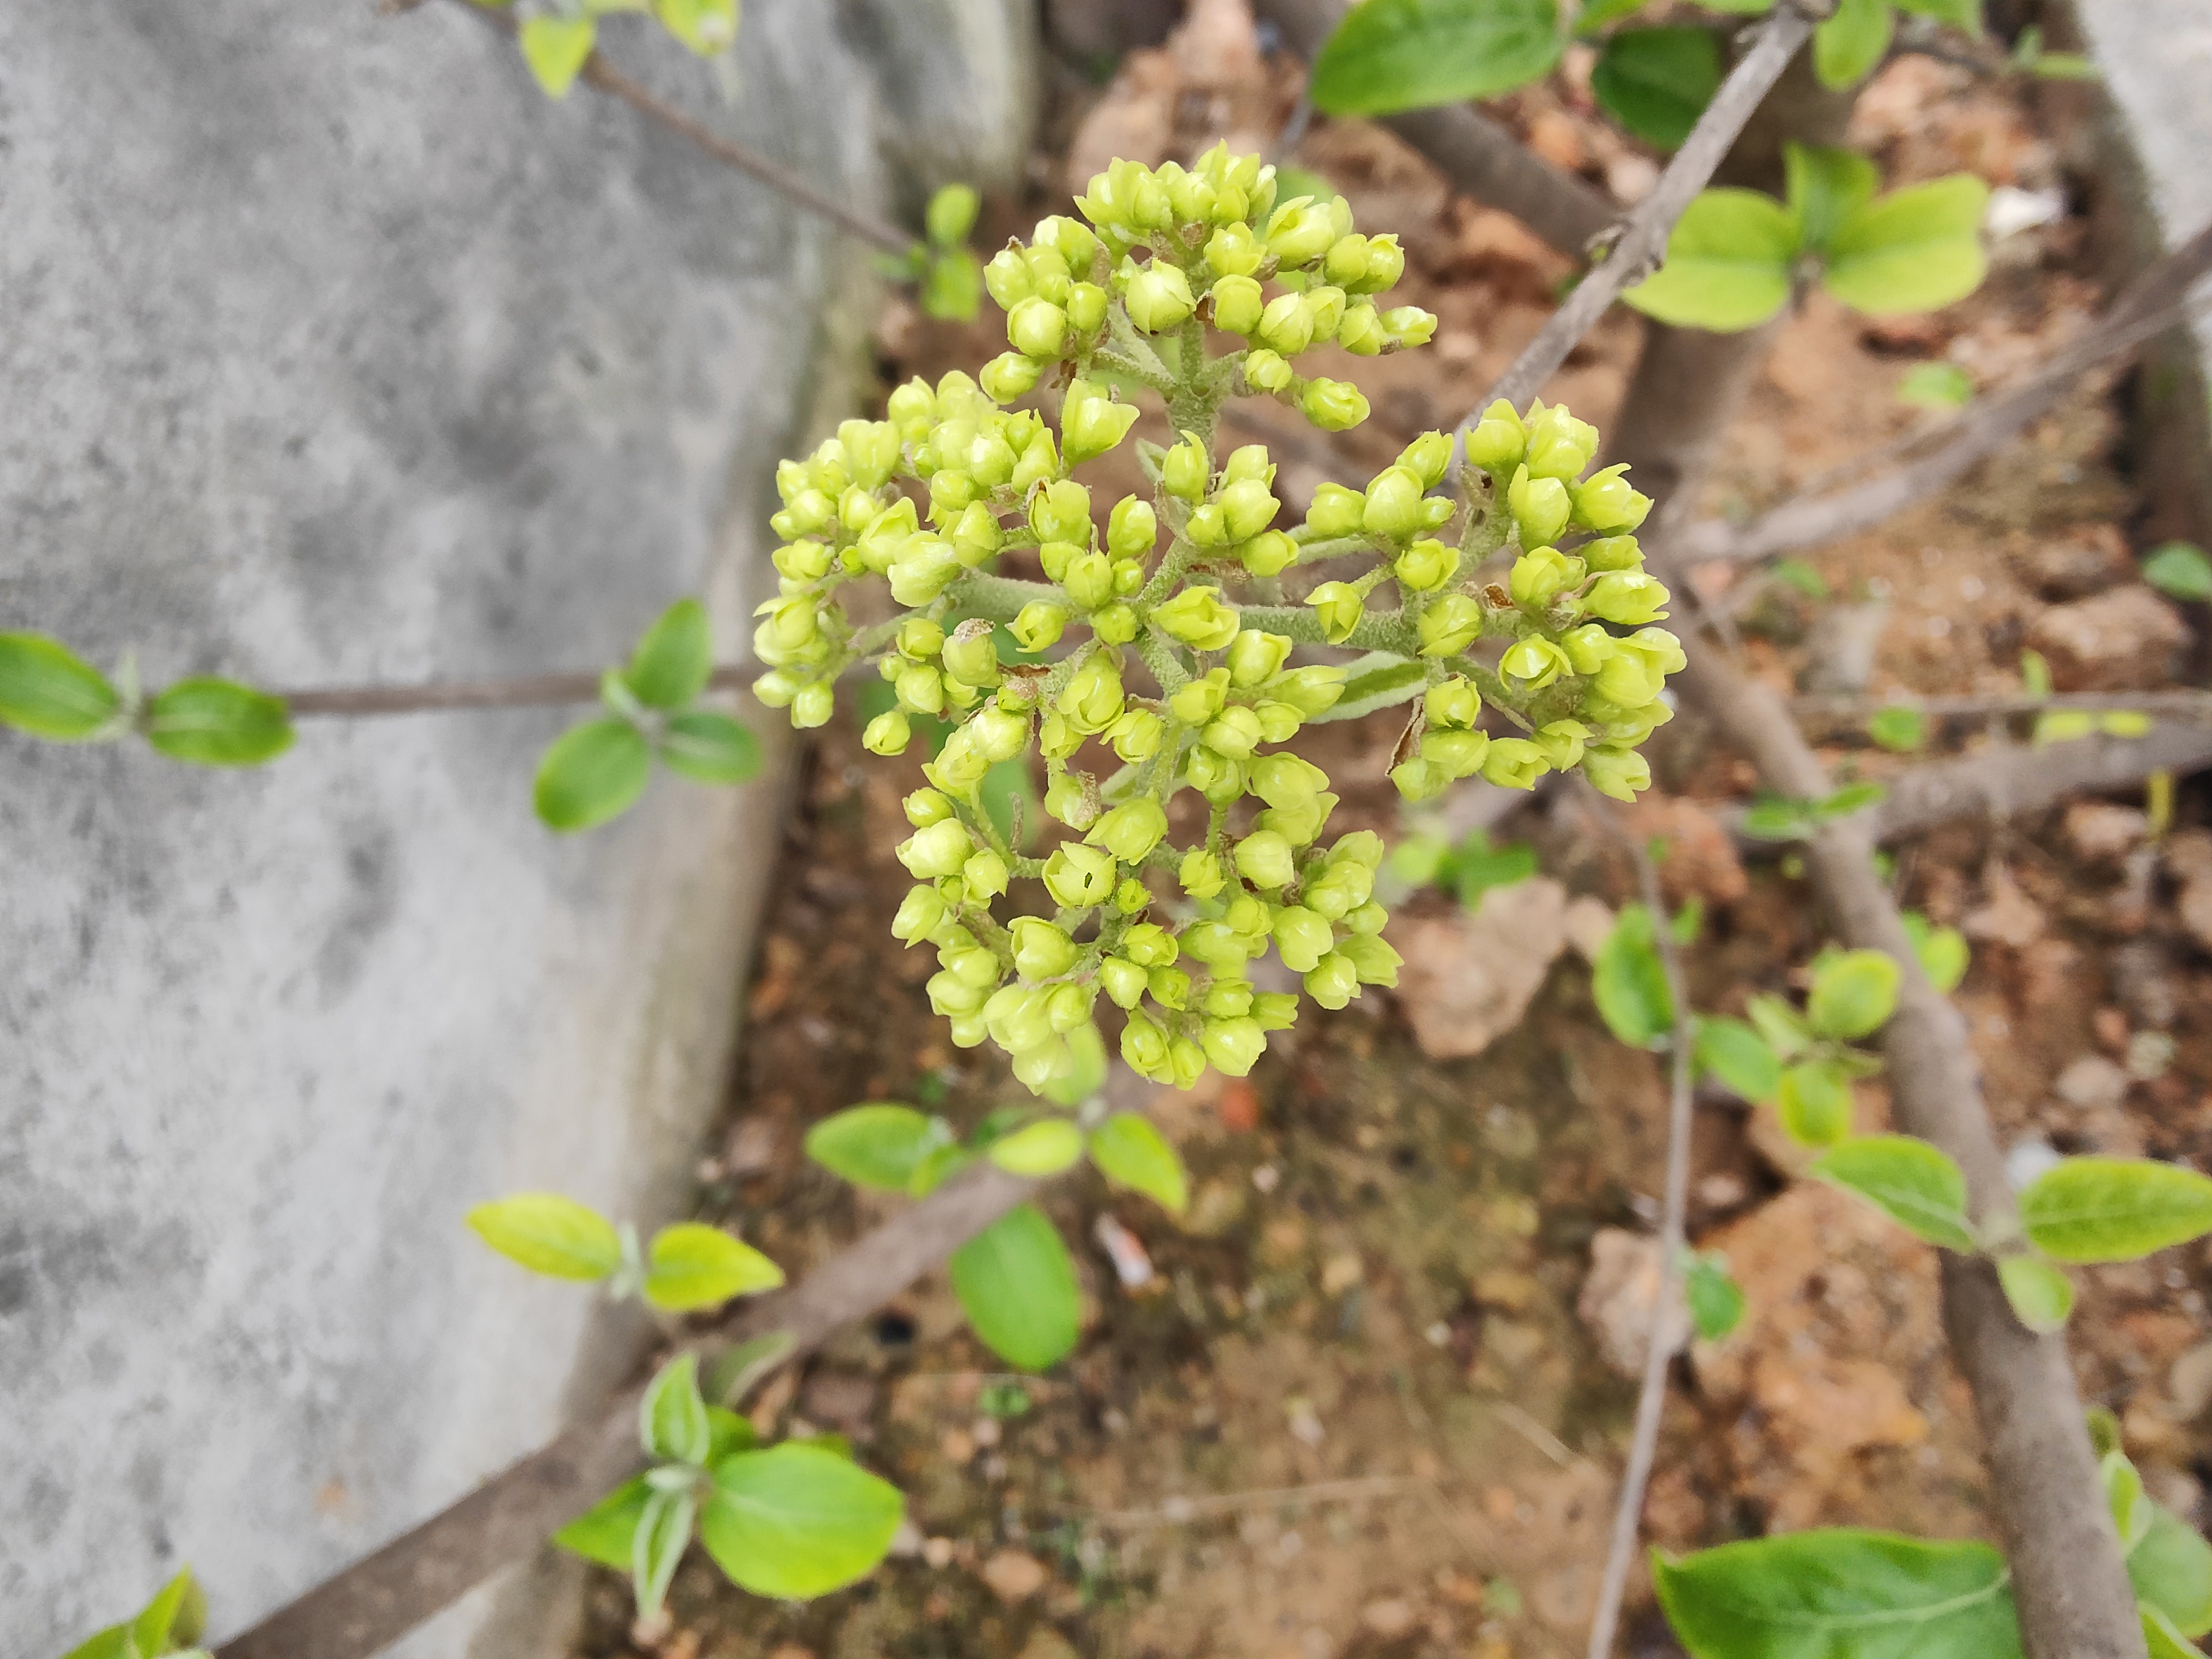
x,y
1158,655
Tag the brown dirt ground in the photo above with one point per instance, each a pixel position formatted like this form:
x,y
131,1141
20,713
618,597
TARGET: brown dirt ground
x,y
1354,1412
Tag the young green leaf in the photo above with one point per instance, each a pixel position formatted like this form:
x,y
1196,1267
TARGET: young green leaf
x,y
2179,571
1915,1184
1942,951
877,1145
48,690
1716,1301
1851,797
1776,817
691,1266
211,722
1042,1148
1815,1103
1129,1150
1840,1593
1477,866
1735,1054
1852,41
1899,729
556,47
2041,1296
672,1417
1782,1025
796,1521
2125,1494
1853,992
1420,859
1657,83
707,27
604,1532
550,1234
952,286
1935,385
1017,1286
1915,249
709,746
1629,983
2162,1638
592,773
2034,674
663,1532
1824,188
2171,1567
736,1369
113,1642
2114,1209
174,1618
674,658
952,214
1728,264
727,1432
1391,55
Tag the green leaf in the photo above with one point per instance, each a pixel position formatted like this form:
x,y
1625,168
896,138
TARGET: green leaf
x,y
1851,797
2178,569
1840,1593
592,773
1782,1025
1935,385
1716,1301
1796,573
938,1165
173,1618
727,1432
48,690
1824,188
1728,264
1914,250
1899,730
1629,983
113,1642
1017,1286
952,285
1915,1184
877,1145
2034,674
1777,818
952,214
2114,1209
1739,1056
604,1532
663,1533
2124,1492
556,47
1129,1150
2162,1638
1380,680
707,27
1596,14
211,722
796,1521
1005,784
671,1418
1852,41
550,1234
1657,83
1087,1076
737,1370
1042,1148
1418,861
1477,866
1815,1103
1853,992
1942,951
2041,1296
674,659
2062,66
1391,55
709,746
2172,1570
691,1266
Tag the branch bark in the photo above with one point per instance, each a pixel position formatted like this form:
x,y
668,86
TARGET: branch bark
x,y
2014,778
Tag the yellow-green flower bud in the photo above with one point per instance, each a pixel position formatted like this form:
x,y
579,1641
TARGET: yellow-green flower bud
x,y
1145,1047
1533,664
1092,700
1268,554
1248,462
1408,325
1049,272
959,766
1588,648
1132,898
1604,502
1006,279
1449,625
1540,508
1313,689
1452,702
920,688
1234,250
1170,988
1068,801
1265,860
1298,821
998,734
1199,617
1617,772
1336,511
1302,938
871,451
1060,512
939,850
1091,422
1136,736
1346,261
1040,950
971,654
1340,889
1282,779
1612,553
1360,332
1300,233
1333,405
1227,997
1185,472
986,874
1123,982
926,806
975,534
1361,847
1200,873
1248,508
1038,625
1237,304
1428,564
1559,445
1010,375
951,995
1086,307
1514,763
1627,680
1275,1011
1234,732
1393,504
1658,649
1216,944
1234,1045
951,489
1324,308
1254,657
888,733
1496,445
1418,781
1268,371
911,404
919,914
1056,741
1338,607
1562,743
1215,776
1159,297
806,561
1067,238
1131,829
1185,1062
1132,529
1115,625
1627,596
1385,264
1455,754
1369,918
1285,325
1540,574
1149,945
1208,526
1201,699
1333,980
1279,721
1089,579
1374,958
1426,458
1079,877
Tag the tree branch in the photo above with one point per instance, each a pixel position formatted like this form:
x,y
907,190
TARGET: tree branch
x,y
2015,779
524,691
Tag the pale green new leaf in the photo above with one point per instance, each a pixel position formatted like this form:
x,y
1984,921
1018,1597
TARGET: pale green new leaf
x,y
605,1532
2171,1568
1852,41
1899,729
709,746
1629,983
2163,1638
1942,951
1657,83
1017,1286
1782,1025
1043,1148
707,27
1815,1103
1824,188
550,1234
952,214
1129,1150
692,1265
1735,1054
1728,264
174,1618
211,722
1715,1299
2177,569
2114,1209
1915,1184
1853,992
48,690
1390,55
672,1417
2123,1493
798,1521
1935,385
556,47
113,1642
663,1533
1841,1593
878,1144
1913,250
673,658
2042,1297
592,773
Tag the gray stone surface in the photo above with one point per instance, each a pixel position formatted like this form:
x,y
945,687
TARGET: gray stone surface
x,y
331,351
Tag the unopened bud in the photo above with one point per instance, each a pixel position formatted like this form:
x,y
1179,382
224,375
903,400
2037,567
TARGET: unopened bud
x,y
1237,304
1627,596
1131,829
1336,511
1255,656
1339,606
1333,405
1533,664
1333,980
1199,617
1514,763
1540,508
1159,297
1200,873
1266,371
1038,625
1265,860
1604,502
1428,564
1132,529
1185,472
1079,877
1449,625
888,733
